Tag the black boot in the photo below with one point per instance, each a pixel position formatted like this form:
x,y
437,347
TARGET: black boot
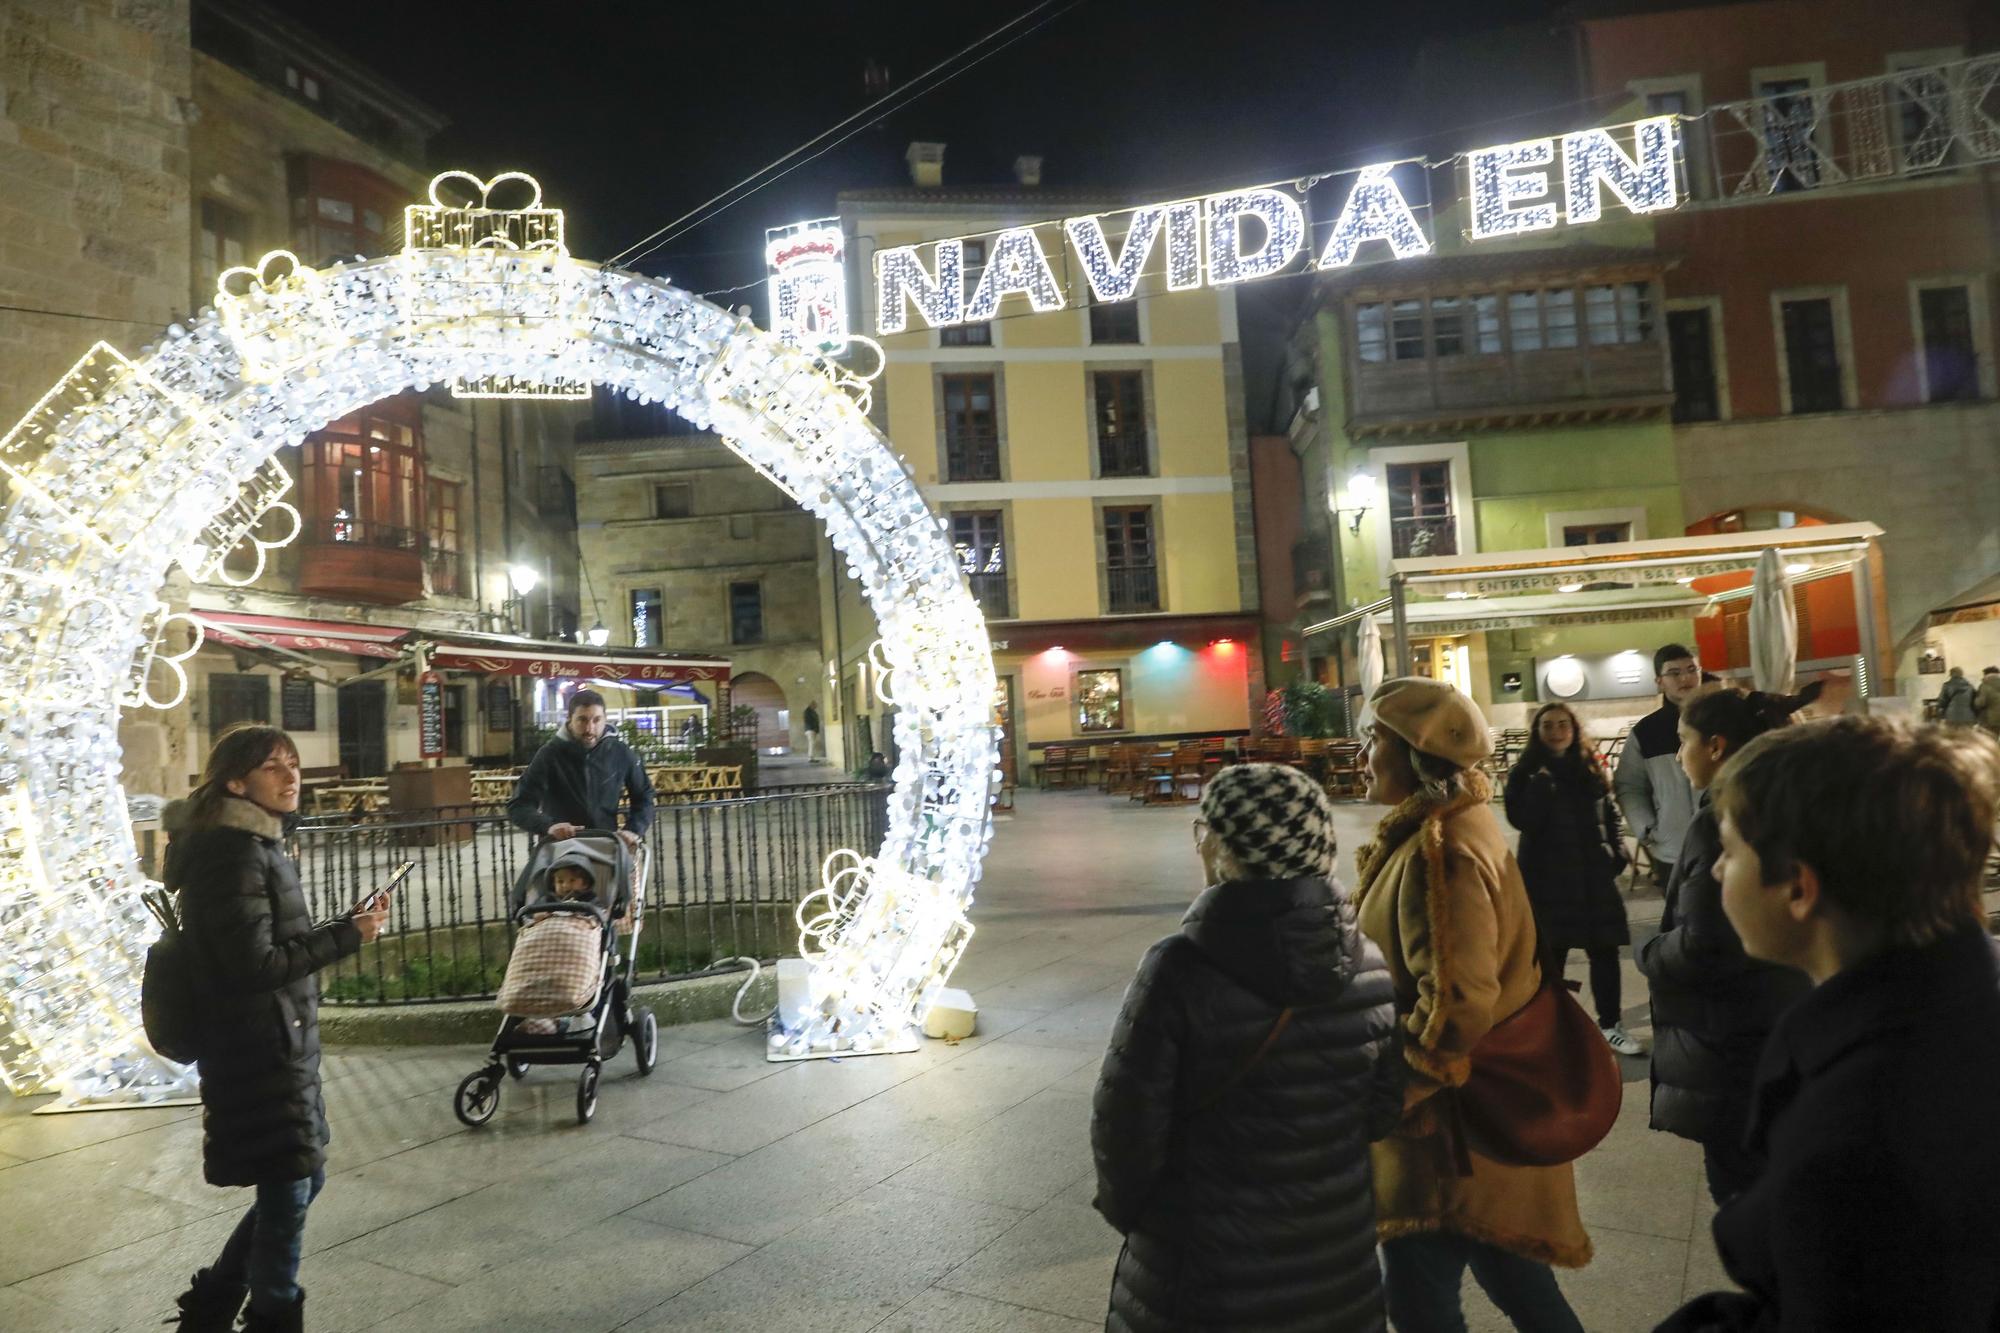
x,y
285,1321
210,1303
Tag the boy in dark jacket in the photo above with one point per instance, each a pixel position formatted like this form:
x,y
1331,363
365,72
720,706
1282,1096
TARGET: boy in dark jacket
x,y
576,781
1253,1062
1854,849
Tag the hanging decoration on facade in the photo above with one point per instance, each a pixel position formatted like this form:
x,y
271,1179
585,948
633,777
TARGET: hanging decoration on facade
x,y
807,262
129,466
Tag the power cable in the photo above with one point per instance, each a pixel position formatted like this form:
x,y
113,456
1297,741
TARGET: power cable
x,y
76,314
909,92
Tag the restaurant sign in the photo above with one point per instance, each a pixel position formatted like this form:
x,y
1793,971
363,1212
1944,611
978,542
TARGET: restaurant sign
x,y
502,662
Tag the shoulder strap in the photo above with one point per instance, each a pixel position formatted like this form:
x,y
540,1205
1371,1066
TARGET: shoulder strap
x,y
1223,1088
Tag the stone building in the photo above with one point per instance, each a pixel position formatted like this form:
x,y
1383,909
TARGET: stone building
x,y
684,545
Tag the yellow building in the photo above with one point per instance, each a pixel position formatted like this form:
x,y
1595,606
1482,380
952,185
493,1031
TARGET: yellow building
x,y
1093,467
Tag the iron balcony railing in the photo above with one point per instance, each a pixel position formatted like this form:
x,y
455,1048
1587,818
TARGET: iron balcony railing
x,y
973,456
1131,588
990,591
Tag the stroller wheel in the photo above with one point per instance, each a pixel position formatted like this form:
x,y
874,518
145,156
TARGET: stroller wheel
x,y
517,1067
646,1045
478,1097
586,1094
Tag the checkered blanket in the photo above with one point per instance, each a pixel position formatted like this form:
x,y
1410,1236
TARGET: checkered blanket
x,y
554,970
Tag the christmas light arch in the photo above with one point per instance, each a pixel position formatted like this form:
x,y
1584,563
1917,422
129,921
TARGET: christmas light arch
x,y
129,466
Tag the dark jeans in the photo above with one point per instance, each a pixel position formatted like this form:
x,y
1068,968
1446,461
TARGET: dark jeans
x,y
264,1249
1422,1274
1607,980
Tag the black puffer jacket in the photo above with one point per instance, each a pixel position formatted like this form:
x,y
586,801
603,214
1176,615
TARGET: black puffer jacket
x,y
1255,1211
242,909
567,784
1713,1004
1568,828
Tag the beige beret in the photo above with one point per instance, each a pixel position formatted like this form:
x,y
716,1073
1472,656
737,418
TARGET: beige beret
x,y
1433,717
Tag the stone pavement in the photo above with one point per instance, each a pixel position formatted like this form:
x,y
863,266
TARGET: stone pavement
x,y
947,1190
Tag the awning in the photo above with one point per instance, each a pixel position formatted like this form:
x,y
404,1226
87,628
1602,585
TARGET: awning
x,y
311,636
508,655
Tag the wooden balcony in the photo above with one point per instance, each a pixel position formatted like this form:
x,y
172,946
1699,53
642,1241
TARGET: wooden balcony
x,y
1567,386
362,562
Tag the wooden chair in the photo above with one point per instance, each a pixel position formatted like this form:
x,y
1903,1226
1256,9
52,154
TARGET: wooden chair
x,y
1055,766
1121,770
1214,754
1189,771
1311,757
1342,772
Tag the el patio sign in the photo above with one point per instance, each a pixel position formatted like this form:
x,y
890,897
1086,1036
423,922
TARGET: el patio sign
x,y
1263,231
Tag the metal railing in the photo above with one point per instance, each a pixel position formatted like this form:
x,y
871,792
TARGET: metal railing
x,y
972,455
1132,588
990,591
725,880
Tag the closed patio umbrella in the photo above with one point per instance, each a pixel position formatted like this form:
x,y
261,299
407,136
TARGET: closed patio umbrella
x,y
1774,626
1369,649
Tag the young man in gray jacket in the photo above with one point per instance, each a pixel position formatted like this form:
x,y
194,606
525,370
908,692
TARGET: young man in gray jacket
x,y
1653,791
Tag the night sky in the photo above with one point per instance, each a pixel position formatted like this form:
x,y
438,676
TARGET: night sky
x,y
632,114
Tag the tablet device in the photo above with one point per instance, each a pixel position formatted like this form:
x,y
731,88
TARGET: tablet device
x,y
402,873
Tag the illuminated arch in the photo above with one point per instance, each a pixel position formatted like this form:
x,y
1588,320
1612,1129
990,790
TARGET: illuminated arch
x,y
129,466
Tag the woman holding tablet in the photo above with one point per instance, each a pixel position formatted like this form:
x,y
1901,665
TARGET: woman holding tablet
x,y
256,950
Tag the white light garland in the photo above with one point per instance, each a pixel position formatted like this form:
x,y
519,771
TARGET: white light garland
x,y
900,274
1375,211
1015,264
1510,175
1114,279
1184,246
1643,186
128,466
1284,234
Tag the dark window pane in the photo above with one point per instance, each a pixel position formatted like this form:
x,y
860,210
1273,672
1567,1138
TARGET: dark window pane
x,y
975,536
1447,326
971,429
1117,322
1951,359
746,613
1691,349
234,698
1406,330
1812,356
1421,521
672,499
1121,423
1130,571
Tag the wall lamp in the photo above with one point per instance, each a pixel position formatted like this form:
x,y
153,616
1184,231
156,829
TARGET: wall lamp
x,y
1360,499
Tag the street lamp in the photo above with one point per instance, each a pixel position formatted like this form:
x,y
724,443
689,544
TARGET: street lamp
x,y
597,635
1360,499
523,578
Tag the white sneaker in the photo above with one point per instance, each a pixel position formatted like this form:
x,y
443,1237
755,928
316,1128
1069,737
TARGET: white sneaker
x,y
1621,1041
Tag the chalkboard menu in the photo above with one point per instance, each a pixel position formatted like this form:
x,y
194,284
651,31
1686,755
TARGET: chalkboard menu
x,y
300,696
430,707
499,706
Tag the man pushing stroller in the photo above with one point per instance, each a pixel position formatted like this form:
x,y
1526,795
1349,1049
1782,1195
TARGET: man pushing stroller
x,y
576,781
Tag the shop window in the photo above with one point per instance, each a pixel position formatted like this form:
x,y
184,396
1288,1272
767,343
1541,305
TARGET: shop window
x,y
1812,355
746,612
969,335
1114,322
1691,352
237,698
363,478
1951,356
647,630
1119,397
1100,700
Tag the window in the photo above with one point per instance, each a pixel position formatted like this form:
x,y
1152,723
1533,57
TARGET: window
x,y
1951,359
1371,332
1922,97
233,699
673,499
1132,579
363,478
1524,321
746,612
1688,180
971,429
1100,700
1621,313
1559,317
1121,423
1812,355
648,631
225,242
1447,326
1691,352
1114,322
1421,522
1406,330
305,84
975,535
969,335
1486,319
1791,116
340,210
445,556
1596,534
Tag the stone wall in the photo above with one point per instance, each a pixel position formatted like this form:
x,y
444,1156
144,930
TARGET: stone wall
x,y
94,161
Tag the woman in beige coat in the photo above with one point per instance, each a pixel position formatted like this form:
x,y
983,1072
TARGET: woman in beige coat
x,y
1441,896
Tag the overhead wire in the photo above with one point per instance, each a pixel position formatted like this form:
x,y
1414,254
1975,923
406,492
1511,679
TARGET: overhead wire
x,y
881,106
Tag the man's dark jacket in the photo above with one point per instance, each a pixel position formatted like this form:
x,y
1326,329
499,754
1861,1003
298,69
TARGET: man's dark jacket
x,y
1879,1209
1714,1006
1255,1212
567,784
253,937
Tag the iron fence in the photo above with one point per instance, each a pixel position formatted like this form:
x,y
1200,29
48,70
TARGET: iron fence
x,y
724,880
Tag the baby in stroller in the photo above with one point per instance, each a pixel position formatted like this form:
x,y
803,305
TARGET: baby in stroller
x,y
574,872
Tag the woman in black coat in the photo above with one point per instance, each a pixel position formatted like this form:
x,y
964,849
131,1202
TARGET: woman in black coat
x,y
1572,849
256,950
1253,1062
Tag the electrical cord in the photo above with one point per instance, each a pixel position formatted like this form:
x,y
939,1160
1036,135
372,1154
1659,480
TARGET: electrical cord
x,y
736,1005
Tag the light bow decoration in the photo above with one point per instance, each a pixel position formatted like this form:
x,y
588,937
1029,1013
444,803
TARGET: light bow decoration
x,y
130,465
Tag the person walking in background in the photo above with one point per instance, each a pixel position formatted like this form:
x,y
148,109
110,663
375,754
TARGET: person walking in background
x,y
1442,896
1713,1005
1954,701
1986,701
1571,853
1252,1062
1854,850
812,734
252,938
1652,790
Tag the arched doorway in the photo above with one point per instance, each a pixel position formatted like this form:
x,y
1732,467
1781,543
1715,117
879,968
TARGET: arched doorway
x,y
754,689
130,466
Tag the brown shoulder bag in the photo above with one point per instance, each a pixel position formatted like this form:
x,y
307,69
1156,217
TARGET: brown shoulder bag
x,y
1544,1088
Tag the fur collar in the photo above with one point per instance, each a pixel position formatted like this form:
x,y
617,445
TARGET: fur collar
x,y
247,816
1417,811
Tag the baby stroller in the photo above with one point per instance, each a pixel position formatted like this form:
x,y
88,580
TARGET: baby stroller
x,y
592,1032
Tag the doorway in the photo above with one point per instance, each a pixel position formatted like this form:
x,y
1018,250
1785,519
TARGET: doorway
x,y
364,728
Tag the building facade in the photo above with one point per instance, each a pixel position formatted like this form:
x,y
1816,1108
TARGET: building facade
x,y
1092,466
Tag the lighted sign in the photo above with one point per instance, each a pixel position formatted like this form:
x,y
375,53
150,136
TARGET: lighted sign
x,y
1241,235
807,262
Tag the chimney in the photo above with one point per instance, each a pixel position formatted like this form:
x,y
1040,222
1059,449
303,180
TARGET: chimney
x,y
1028,170
926,165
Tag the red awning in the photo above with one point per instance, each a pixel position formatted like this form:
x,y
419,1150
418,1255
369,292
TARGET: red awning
x,y
308,636
552,663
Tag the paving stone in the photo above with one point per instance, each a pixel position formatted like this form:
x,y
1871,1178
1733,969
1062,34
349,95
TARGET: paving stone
x,y
1022,1158
1059,1260
941,1311
136,1282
